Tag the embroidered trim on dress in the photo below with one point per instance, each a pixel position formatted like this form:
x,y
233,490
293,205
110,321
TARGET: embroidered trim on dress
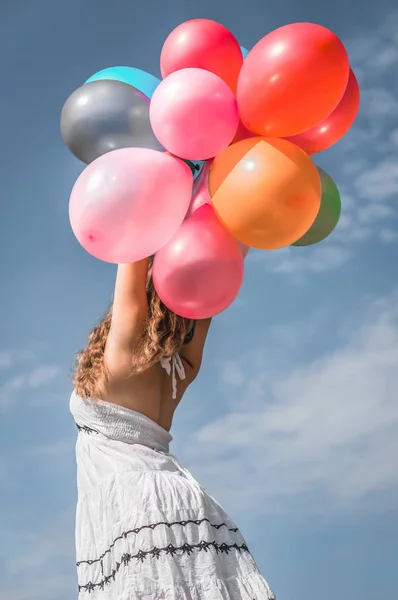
x,y
153,526
155,553
86,429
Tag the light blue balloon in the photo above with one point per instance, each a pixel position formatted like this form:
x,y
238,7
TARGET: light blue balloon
x,y
245,51
141,80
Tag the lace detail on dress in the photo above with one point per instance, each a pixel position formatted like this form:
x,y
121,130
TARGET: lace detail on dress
x,y
173,366
170,549
153,526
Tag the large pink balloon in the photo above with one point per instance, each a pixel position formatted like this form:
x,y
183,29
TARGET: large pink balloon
x,y
194,114
128,203
199,272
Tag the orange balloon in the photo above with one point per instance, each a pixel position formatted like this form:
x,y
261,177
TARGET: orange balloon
x,y
332,129
266,192
292,79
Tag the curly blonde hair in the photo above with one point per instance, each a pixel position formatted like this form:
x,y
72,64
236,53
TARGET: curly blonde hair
x,y
163,335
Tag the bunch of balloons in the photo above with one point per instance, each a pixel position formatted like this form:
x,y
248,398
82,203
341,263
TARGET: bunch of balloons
x,y
249,120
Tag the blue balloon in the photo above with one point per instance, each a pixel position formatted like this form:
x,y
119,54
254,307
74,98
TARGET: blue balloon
x,y
245,51
141,80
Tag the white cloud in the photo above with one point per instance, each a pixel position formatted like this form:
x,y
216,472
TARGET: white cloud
x,y
353,167
29,379
9,358
388,236
372,212
322,434
9,390
387,57
380,182
379,103
42,375
376,51
5,360
299,261
231,373
394,138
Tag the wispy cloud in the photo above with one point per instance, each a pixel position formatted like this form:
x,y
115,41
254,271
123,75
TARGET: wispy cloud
x,y
320,436
376,50
379,183
15,385
388,236
379,102
9,358
5,360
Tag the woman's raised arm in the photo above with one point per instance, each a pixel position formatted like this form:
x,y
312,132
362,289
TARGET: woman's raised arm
x,y
129,312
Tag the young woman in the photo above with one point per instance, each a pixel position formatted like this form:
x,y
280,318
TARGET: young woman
x,y
145,528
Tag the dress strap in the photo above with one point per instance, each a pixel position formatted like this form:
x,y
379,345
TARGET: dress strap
x,y
173,366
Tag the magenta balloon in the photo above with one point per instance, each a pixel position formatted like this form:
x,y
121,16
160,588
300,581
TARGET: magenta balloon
x,y
200,193
128,203
194,114
199,272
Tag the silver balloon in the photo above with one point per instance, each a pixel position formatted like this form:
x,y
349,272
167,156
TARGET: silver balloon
x,y
106,115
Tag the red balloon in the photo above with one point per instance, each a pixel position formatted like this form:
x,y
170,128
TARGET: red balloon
x,y
202,44
292,79
332,129
242,134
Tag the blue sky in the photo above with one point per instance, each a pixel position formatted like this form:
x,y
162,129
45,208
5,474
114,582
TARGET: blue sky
x,y
293,422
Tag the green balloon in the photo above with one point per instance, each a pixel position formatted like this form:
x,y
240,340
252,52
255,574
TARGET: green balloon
x,y
328,215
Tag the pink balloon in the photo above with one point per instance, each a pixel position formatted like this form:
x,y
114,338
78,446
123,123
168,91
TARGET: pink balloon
x,y
128,203
199,272
194,114
200,194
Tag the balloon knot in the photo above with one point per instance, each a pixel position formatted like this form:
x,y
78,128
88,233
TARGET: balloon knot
x,y
192,166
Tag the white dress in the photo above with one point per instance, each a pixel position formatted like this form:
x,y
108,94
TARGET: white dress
x,y
145,528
